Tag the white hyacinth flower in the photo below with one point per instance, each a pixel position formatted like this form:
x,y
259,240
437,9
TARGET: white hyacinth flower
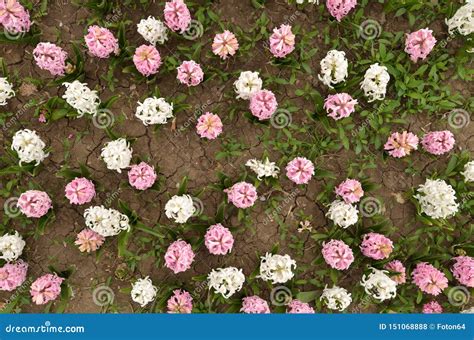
x,y
437,199
468,172
226,281
143,291
106,222
263,169
81,98
154,111
180,208
379,285
247,85
333,68
336,298
11,246
29,146
117,154
342,214
6,91
152,30
276,268
375,82
463,20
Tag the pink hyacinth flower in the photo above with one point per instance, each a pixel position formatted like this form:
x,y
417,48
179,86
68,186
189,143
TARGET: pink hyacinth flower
x,y
254,305
14,17
337,254
218,240
88,240
339,105
179,256
80,191
299,307
376,246
463,270
50,57
399,271
101,42
399,145
141,176
419,44
12,275
46,288
147,60
350,190
282,41
429,279
438,142
263,104
300,170
181,302
177,16
190,73
432,307
340,8
225,44
209,126
242,194
34,203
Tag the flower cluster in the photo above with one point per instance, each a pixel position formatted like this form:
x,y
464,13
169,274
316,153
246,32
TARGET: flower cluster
x,y
101,42
11,246
105,222
337,254
179,256
463,20
340,8
429,279
468,172
147,60
190,73
438,142
181,302
34,203
277,268
46,288
282,41
376,246
180,208
375,82
6,91
263,104
143,291
177,15
419,44
14,17
29,146
141,176
88,240
248,84
50,57
12,275
218,240
300,170
432,307
350,190
333,68
80,191
225,44
339,105
154,111
226,281
342,214
463,270
152,30
263,169
336,298
437,199
81,98
299,307
117,154
399,145
209,126
398,269
379,285
242,195
254,305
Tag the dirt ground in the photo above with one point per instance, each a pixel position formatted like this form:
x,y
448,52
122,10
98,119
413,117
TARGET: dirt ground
x,y
182,153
